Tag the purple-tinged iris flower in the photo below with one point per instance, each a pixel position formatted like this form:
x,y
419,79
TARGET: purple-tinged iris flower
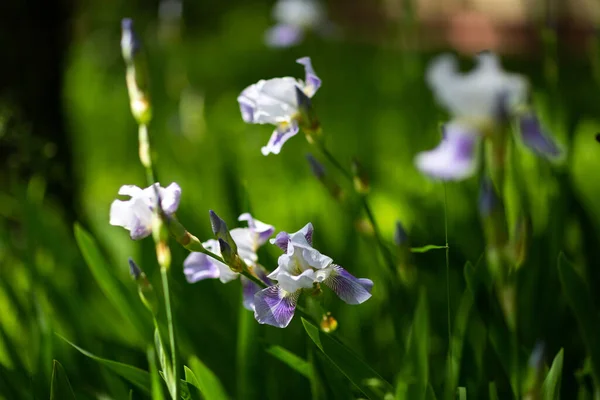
x,y
135,214
199,266
275,102
477,100
294,18
301,267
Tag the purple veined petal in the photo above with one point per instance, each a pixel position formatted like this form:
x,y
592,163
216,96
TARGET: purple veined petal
x,y
283,35
455,158
312,82
169,198
139,230
534,138
307,231
199,266
281,240
263,231
350,289
274,306
249,288
280,135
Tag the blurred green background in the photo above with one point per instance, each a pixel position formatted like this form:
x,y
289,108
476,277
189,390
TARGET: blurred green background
x,y
69,142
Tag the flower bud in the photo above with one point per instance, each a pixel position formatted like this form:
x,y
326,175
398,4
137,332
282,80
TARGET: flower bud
x,y
328,323
520,240
219,228
134,270
307,118
137,74
316,167
145,289
360,178
230,257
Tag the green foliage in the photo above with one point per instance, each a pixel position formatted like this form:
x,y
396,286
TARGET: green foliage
x,y
61,387
551,385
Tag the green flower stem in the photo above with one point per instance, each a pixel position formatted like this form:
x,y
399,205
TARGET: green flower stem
x,y
363,198
163,256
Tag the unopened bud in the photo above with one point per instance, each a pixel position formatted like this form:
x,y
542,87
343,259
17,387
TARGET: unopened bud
x,y
230,257
134,270
145,290
307,116
400,235
360,178
328,323
219,228
520,241
130,43
163,254
316,167
137,74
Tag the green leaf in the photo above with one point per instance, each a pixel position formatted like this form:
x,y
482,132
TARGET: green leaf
x,y
136,376
108,282
157,392
60,389
193,386
551,385
458,337
493,391
356,370
293,361
462,393
209,384
580,301
424,249
249,377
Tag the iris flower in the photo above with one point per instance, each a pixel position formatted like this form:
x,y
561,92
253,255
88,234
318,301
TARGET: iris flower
x,y
135,214
478,100
302,267
199,266
275,101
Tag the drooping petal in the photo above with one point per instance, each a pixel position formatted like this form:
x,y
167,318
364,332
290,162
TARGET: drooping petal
x,y
482,93
312,82
270,101
169,198
133,215
350,289
199,266
264,231
535,139
283,35
455,158
280,135
292,283
249,288
274,306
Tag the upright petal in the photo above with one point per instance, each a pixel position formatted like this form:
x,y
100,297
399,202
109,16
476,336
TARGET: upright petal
x,y
283,35
312,82
199,266
455,158
280,135
282,241
270,101
350,289
262,230
479,94
534,137
130,190
307,230
274,306
246,243
169,198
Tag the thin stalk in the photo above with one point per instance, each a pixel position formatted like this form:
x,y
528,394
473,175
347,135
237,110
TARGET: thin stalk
x,y
384,250
171,326
448,278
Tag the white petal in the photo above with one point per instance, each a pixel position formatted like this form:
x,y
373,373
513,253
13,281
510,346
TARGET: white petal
x,y
291,283
246,242
478,94
300,13
130,190
170,197
272,101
